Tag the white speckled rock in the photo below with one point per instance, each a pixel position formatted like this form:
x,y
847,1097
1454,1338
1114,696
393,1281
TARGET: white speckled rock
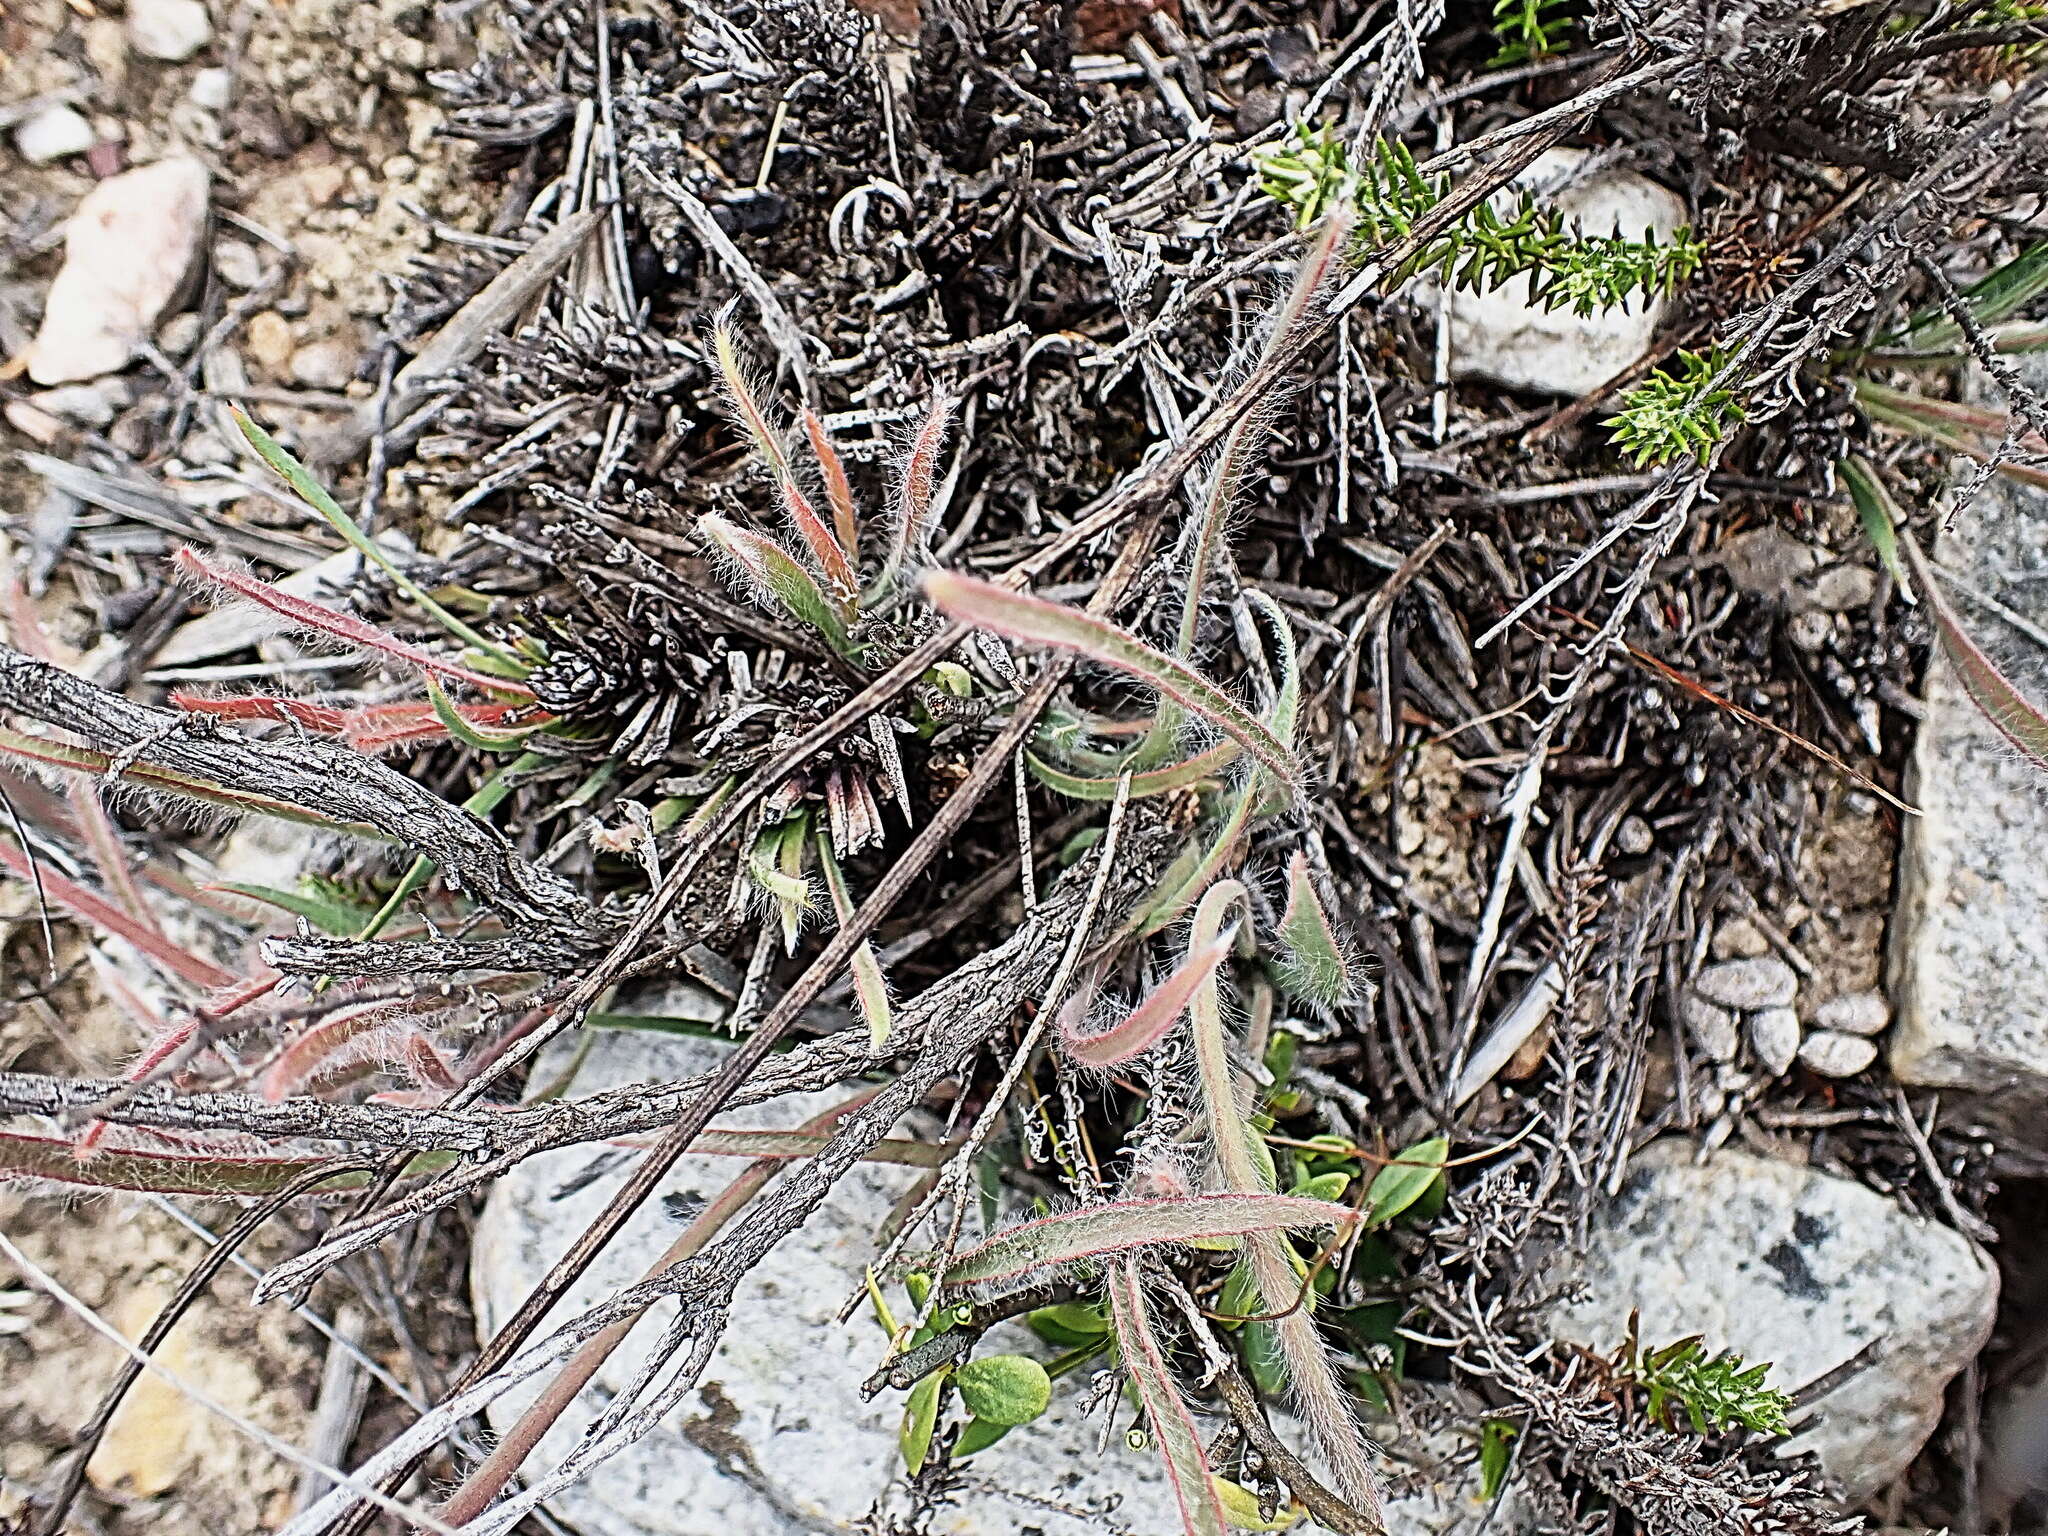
x,y
1762,982
1774,1037
1966,971
1800,1268
777,1441
1837,1055
170,30
127,251
1501,335
52,134
1854,1013
1711,1027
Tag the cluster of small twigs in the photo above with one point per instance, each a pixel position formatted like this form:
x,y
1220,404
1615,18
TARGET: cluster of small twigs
x,y
1023,301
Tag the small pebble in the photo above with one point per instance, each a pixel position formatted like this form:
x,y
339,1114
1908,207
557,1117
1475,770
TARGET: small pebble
x,y
80,403
268,341
1774,1037
323,365
237,264
38,426
1739,939
1634,836
1854,1013
179,334
212,89
1763,981
170,30
1712,1029
52,134
1810,630
1837,1055
1840,588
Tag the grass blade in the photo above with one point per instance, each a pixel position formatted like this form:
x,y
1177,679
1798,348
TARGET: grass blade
x,y
315,495
870,987
1035,621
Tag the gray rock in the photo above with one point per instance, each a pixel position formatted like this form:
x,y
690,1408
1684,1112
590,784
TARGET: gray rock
x,y
1761,981
80,403
171,30
1802,1269
1837,1055
1712,1028
1774,1039
52,134
1854,1013
1965,963
1499,334
777,1441
1767,561
127,251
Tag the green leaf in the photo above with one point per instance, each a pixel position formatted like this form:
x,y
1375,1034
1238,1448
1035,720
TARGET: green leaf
x,y
1879,516
920,1419
323,912
870,987
1070,1324
1203,765
1035,621
1405,1180
480,737
979,1435
1004,1389
1241,1508
1496,1455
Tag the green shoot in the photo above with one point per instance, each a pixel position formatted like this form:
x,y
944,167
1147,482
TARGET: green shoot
x,y
1682,415
316,496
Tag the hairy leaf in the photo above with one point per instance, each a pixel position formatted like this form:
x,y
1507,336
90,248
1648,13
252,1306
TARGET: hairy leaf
x,y
774,573
1145,1025
52,1159
1173,1428
91,908
838,494
2019,719
331,623
1311,964
1096,1230
1035,621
